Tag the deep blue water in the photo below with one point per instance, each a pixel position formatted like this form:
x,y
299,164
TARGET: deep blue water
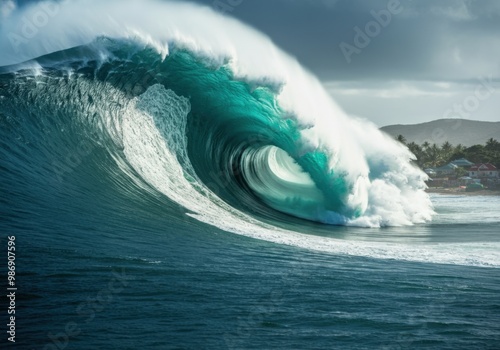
x,y
179,284
108,203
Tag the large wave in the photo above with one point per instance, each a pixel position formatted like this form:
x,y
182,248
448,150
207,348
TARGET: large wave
x,y
206,111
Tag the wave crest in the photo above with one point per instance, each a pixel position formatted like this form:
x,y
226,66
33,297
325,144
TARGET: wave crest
x,y
219,116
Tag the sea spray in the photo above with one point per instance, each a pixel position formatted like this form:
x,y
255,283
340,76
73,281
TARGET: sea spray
x,y
235,80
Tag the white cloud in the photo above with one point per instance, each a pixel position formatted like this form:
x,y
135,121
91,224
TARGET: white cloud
x,y
391,90
458,12
454,10
6,7
397,102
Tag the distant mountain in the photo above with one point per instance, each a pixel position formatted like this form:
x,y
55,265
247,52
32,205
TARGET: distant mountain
x,y
455,131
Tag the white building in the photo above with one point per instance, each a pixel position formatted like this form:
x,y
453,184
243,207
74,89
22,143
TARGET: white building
x,y
483,171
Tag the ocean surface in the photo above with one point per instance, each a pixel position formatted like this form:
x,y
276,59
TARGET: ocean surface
x,y
172,186
129,276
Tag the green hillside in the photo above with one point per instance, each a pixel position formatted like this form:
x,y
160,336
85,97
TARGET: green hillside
x,y
455,131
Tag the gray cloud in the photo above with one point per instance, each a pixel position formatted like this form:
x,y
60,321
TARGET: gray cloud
x,y
430,52
428,58
429,40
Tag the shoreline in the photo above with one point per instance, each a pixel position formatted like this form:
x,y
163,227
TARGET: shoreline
x,y
458,191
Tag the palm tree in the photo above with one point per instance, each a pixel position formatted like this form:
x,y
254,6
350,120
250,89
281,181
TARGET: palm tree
x,y
401,139
417,151
492,144
446,150
459,148
434,156
458,152
446,147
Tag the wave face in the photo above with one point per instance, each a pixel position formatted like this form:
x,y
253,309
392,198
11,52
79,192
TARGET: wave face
x,y
211,115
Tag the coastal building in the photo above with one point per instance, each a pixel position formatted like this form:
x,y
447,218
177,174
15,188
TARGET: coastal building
x,y
462,162
448,169
430,171
483,171
465,180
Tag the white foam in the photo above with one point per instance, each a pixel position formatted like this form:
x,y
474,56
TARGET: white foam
x,y
356,149
157,157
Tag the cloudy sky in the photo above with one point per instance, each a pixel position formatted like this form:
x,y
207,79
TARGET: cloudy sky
x,y
389,61
432,59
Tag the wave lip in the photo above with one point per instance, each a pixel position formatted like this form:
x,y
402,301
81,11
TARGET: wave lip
x,y
311,160
217,129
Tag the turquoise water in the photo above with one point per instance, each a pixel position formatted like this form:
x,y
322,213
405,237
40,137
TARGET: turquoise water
x,y
165,204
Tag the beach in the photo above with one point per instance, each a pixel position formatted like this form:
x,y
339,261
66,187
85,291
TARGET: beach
x,y
461,191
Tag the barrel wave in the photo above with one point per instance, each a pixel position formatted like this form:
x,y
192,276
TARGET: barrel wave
x,y
214,117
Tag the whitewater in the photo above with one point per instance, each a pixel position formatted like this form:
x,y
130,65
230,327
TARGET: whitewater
x,y
174,180
222,122
358,156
